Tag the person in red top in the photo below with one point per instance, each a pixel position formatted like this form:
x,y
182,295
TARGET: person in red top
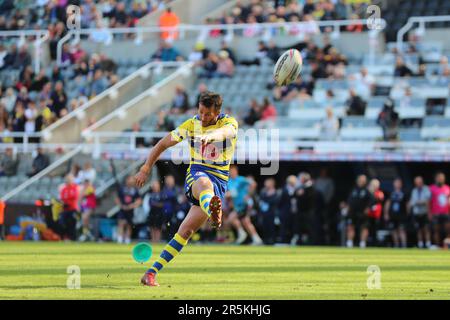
x,y
375,208
268,110
439,207
70,196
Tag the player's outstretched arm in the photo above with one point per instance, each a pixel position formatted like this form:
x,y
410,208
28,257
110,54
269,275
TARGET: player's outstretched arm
x,y
163,144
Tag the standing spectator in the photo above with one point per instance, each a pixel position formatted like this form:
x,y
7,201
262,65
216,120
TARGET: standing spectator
x,y
329,126
156,215
356,106
88,205
8,164
9,100
239,218
127,199
439,207
166,20
325,186
40,162
375,209
395,213
170,200
87,173
389,119
358,207
70,196
268,112
419,206
288,209
268,202
306,221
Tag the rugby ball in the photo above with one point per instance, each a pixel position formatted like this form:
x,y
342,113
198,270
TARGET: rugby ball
x,y
288,67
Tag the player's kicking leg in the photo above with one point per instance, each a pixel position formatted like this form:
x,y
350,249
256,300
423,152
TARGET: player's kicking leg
x,y
210,207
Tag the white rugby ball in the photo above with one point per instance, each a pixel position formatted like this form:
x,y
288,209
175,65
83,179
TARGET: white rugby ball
x,y
288,67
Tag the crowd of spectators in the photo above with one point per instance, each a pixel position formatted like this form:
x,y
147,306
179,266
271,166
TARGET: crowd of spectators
x,y
9,162
309,11
34,101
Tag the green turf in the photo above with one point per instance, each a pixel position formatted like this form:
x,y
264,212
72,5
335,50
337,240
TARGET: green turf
x,y
108,271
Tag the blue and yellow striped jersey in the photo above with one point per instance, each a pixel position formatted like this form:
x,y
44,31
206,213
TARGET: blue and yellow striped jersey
x,y
215,157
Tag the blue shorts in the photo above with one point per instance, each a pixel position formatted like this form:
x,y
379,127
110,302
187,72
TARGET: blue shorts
x,y
220,186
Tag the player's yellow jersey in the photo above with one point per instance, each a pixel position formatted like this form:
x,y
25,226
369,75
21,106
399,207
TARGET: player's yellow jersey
x,y
215,157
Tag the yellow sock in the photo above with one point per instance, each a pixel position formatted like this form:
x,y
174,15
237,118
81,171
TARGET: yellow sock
x,y
205,198
169,252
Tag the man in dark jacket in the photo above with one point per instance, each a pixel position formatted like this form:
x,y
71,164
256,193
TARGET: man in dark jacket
x,y
40,162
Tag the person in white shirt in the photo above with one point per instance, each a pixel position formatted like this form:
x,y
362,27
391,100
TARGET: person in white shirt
x,y
87,173
329,126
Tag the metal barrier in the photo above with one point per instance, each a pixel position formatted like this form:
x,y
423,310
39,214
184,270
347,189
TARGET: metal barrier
x,y
411,21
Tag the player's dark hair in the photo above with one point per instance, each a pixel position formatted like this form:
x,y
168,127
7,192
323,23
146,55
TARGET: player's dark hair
x,y
211,100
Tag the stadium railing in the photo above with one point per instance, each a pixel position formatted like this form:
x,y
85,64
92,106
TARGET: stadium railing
x,y
41,37
411,22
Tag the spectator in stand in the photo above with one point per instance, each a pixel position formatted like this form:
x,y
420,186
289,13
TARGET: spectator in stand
x,y
88,205
209,66
69,194
225,47
355,27
364,81
8,163
98,84
166,52
254,113
180,103
329,126
288,209
156,215
356,106
40,162
31,115
201,89
87,173
18,120
389,121
401,70
4,115
169,20
9,99
225,66
140,142
375,209
419,207
268,110
127,199
358,207
268,202
439,207
395,213
58,99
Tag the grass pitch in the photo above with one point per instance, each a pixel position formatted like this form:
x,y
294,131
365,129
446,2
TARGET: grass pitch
x,y
39,271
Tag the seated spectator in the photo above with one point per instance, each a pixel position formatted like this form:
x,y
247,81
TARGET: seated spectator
x,y
329,127
58,99
254,113
273,52
9,99
401,70
389,119
180,103
209,66
291,91
31,114
225,66
364,81
39,81
138,141
196,56
87,173
166,52
224,46
98,84
166,20
40,162
355,105
8,163
268,110
4,115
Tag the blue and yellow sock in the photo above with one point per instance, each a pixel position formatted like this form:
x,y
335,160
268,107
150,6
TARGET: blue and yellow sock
x,y
205,199
169,252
